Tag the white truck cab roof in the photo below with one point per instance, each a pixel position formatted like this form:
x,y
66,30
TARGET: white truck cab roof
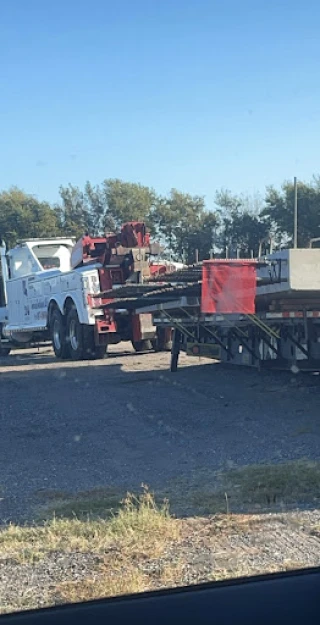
x,y
40,255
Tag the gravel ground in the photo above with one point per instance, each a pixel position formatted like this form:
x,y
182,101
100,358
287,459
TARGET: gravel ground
x,y
127,420
208,549
242,547
36,582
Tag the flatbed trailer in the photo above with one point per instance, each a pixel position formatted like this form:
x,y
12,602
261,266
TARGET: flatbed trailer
x,y
282,334
280,340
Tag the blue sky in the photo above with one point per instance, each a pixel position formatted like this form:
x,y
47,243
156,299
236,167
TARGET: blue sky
x,y
192,94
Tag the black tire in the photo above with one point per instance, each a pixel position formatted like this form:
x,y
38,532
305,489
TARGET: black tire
x,y
142,346
80,338
75,336
58,335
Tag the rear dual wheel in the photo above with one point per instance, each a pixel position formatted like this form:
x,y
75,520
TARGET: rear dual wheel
x,y
75,336
71,339
81,339
58,335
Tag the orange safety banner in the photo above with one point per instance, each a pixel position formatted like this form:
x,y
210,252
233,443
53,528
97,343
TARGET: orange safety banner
x,y
228,287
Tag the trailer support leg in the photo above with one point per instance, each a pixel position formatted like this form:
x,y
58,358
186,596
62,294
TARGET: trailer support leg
x,y
175,351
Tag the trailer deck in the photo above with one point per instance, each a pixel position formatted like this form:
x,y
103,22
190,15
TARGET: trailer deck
x,y
277,339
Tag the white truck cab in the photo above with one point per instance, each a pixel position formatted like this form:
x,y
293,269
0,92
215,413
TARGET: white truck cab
x,y
37,278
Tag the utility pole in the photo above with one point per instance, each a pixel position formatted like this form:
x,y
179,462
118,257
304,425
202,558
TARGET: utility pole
x,y
295,214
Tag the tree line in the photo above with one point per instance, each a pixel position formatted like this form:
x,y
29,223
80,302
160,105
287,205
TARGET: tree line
x,y
234,224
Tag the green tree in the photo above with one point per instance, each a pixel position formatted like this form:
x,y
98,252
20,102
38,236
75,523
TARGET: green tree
x,y
244,233
105,207
127,201
242,227
279,210
184,224
73,213
203,237
97,207
23,216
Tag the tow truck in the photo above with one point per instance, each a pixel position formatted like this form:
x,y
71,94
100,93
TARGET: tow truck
x,y
58,290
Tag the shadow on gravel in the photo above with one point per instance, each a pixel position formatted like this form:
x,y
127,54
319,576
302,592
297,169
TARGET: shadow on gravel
x,y
212,440
42,357
27,358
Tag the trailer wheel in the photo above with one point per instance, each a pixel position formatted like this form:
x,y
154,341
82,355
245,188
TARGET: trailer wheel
x,y
142,346
58,335
75,336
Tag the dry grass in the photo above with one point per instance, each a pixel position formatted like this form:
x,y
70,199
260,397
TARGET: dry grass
x,y
109,584
114,580
138,526
125,543
137,545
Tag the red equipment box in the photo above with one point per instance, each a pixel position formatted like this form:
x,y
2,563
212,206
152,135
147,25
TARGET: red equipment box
x,y
228,286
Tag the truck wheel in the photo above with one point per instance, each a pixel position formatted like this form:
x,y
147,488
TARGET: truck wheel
x,y
142,346
75,336
58,335
81,339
